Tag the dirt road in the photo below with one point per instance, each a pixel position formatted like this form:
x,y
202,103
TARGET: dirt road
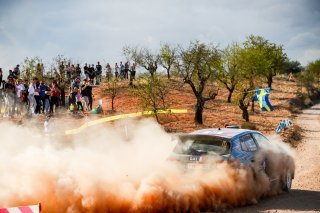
x,y
305,194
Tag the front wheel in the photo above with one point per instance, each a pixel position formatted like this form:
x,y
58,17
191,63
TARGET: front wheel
x,y
287,182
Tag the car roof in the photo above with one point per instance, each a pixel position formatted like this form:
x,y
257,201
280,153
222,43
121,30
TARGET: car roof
x,y
221,132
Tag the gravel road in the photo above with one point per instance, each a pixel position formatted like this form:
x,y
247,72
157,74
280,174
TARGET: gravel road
x,y
305,194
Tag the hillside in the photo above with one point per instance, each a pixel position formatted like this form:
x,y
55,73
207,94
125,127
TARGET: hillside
x,y
217,112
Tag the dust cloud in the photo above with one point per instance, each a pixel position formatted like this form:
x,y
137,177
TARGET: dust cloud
x,y
116,169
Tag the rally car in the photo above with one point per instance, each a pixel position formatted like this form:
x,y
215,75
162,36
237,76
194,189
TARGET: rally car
x,y
204,148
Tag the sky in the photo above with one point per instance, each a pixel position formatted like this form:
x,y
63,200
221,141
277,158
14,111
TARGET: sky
x,y
97,30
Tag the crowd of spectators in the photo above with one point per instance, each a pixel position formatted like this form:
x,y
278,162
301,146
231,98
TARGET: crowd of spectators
x,y
36,96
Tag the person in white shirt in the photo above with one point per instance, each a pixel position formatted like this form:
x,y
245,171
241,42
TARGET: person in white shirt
x,y
32,92
9,89
20,96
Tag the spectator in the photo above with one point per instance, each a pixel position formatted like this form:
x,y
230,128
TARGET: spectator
x,y
85,99
44,97
10,90
26,100
54,97
31,94
85,70
121,70
1,96
116,70
91,72
78,71
1,77
16,71
73,72
21,90
108,72
72,99
11,75
98,73
79,100
75,83
133,72
126,70
89,93
37,97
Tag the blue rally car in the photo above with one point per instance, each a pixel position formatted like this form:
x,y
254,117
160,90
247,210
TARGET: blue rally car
x,y
203,148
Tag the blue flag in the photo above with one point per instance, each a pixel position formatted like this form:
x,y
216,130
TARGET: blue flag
x,y
262,96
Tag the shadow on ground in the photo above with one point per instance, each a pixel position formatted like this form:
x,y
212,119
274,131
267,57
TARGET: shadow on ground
x,y
297,200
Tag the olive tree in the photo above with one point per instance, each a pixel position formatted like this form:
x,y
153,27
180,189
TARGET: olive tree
x,y
111,88
310,78
29,67
59,62
168,57
314,68
198,64
152,92
143,57
273,56
251,62
229,73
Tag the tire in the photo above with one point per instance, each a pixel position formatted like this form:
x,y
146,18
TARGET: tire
x,y
287,182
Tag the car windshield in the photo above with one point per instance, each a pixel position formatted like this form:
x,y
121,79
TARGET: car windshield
x,y
202,144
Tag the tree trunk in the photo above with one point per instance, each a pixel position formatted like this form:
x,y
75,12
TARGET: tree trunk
x,y
152,72
168,73
270,81
112,104
63,97
245,115
230,94
252,105
244,107
62,87
199,111
156,115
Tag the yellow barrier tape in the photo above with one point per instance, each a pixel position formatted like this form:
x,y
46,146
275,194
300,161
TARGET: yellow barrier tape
x,y
117,117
